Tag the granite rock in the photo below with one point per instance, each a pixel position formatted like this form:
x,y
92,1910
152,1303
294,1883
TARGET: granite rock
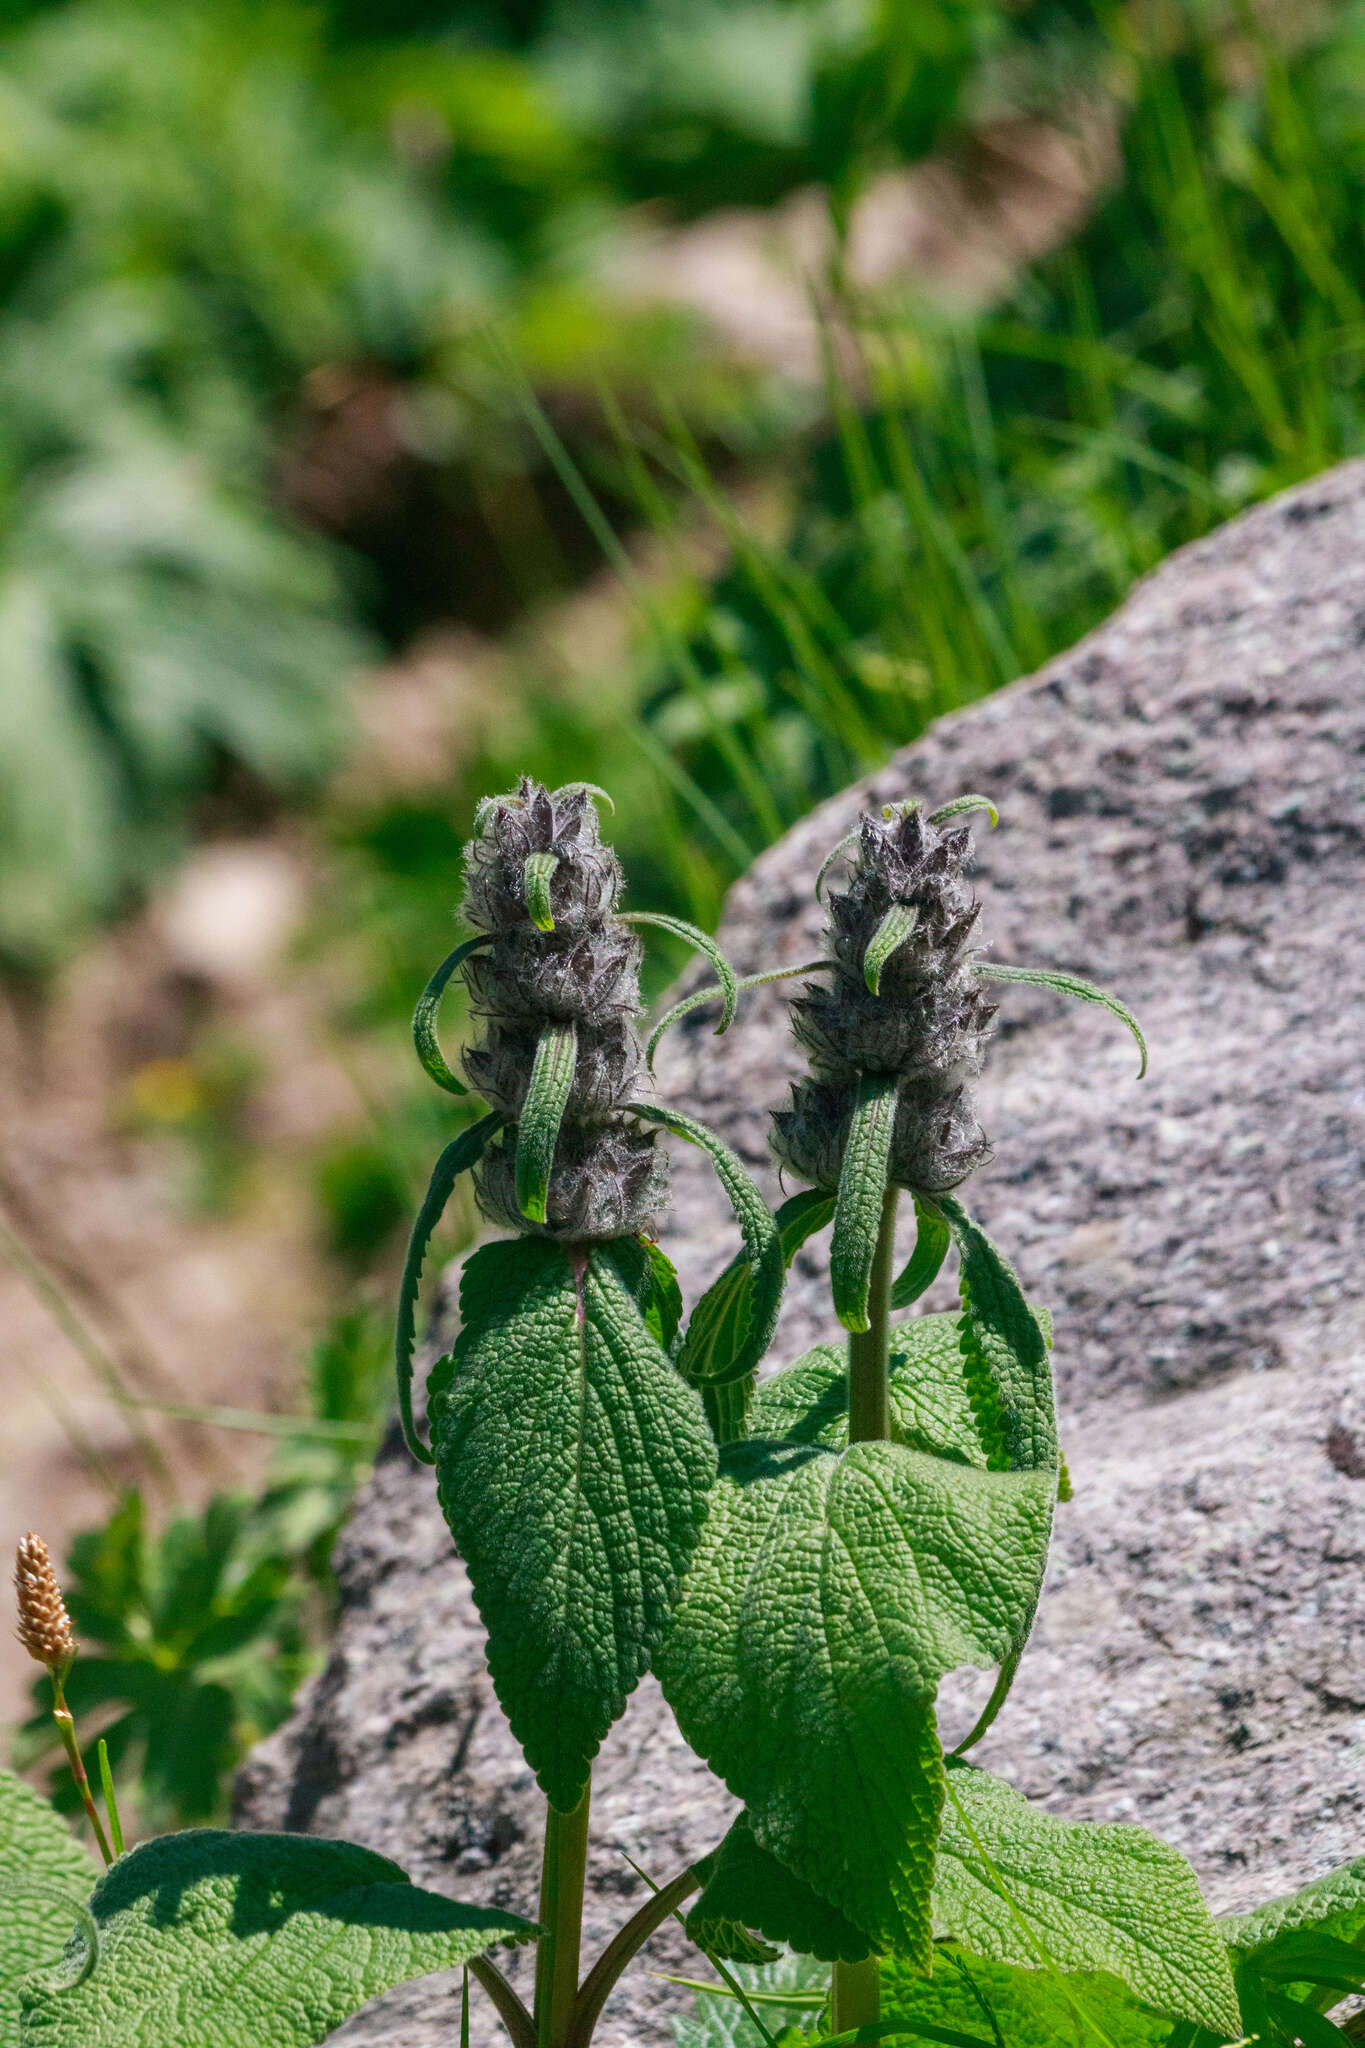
x,y
1182,803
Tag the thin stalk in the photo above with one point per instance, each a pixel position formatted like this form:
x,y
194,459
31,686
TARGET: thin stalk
x,y
625,1944
561,1915
857,1986
869,1383
66,1728
510,2009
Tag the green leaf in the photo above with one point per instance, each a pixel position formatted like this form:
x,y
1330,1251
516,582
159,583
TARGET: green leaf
x,y
762,1252
930,1410
960,804
539,873
748,1888
893,931
653,1281
702,996
862,1191
850,839
830,1593
1068,985
223,1940
1334,1905
716,1329
425,1015
42,1865
1023,2008
1005,1352
542,1113
695,937
459,1155
573,1466
1018,1885
932,1239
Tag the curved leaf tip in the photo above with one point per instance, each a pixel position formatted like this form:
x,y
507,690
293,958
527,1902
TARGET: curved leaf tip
x,y
1068,985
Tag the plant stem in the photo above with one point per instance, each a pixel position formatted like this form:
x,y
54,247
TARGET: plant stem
x,y
66,1728
869,1384
857,1995
601,1979
857,1986
561,1915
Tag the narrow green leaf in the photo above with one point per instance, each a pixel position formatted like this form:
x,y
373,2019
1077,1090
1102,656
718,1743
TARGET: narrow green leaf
x,y
542,1113
932,1239
716,1329
573,1467
960,804
459,1155
762,1250
862,1191
222,1939
1020,1886
1005,1352
749,1889
540,870
850,839
695,937
1300,2023
702,996
591,789
425,1015
893,931
829,1595
1068,985
45,1877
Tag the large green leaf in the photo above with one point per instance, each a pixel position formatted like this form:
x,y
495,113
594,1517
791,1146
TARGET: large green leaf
x,y
573,1466
995,2002
41,1864
1020,1886
1334,1904
830,1593
218,1940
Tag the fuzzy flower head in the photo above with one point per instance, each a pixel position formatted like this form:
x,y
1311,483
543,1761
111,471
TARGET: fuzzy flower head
x,y
902,1001
544,890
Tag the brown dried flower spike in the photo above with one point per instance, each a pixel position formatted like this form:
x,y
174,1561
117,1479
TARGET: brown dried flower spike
x,y
44,1624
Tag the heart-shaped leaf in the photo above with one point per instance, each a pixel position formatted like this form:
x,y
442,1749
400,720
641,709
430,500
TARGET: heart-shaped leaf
x,y
573,1466
251,1941
1020,1886
830,1593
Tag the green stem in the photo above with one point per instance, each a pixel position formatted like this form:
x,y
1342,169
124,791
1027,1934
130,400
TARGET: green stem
x,y
857,1986
66,1728
857,1995
561,1915
869,1384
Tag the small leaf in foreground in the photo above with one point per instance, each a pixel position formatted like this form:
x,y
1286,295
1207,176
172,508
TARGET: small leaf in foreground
x,y
749,1889
37,1849
252,1941
1020,1886
996,2002
921,1269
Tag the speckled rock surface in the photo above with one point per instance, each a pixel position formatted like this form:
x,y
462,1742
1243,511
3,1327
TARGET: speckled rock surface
x,y
1183,818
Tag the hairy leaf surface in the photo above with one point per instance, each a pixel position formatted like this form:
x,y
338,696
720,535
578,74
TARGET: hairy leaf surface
x,y
1030,2008
831,1592
748,1888
1333,1905
719,1323
573,1467
37,1849
930,1409
862,1189
1018,1885
1005,1351
921,1269
217,1940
